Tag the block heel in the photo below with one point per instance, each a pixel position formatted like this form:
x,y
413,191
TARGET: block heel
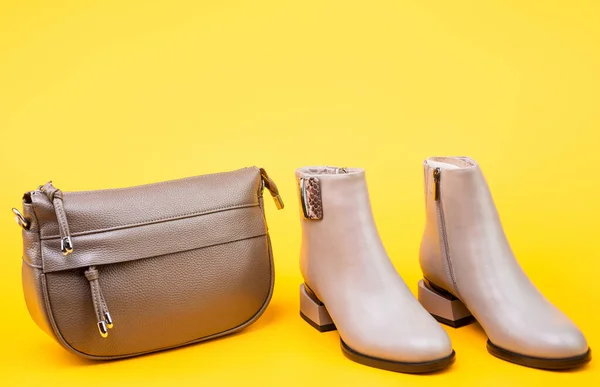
x,y
313,311
443,306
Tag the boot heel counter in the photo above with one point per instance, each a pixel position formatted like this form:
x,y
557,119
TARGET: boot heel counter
x,y
432,262
433,265
429,255
304,261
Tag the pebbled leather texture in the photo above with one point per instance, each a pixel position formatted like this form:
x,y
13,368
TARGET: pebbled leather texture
x,y
488,278
177,262
345,263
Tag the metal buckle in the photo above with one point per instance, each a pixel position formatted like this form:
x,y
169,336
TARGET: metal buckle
x,y
66,246
20,219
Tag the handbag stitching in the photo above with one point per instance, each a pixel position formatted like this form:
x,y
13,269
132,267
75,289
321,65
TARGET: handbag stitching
x,y
158,220
250,321
160,255
155,184
30,264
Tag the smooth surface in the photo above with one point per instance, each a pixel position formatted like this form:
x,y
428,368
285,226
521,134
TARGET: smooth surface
x,y
344,262
483,272
140,93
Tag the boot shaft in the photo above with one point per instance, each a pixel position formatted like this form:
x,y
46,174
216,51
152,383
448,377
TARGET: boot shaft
x,y
336,219
465,252
462,224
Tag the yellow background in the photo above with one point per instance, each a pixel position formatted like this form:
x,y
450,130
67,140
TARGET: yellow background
x,y
118,93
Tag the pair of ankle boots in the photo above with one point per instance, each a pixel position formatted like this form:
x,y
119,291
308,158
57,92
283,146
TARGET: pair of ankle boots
x,y
469,273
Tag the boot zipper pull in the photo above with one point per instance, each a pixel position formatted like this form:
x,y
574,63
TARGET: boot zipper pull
x,y
105,321
436,183
269,184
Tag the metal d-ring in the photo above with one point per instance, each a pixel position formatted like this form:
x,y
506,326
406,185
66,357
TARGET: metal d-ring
x,y
20,219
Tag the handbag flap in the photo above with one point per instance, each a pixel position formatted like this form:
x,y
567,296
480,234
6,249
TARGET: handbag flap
x,y
117,225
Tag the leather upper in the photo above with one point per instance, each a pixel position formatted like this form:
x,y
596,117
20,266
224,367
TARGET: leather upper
x,y
345,263
482,271
176,262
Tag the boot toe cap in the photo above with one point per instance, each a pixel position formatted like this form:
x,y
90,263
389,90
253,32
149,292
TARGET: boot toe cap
x,y
569,343
413,348
429,348
549,343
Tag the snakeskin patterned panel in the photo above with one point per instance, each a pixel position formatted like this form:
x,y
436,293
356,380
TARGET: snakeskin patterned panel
x,y
311,198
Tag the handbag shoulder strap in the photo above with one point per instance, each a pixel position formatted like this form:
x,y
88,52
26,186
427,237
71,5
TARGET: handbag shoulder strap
x,y
269,184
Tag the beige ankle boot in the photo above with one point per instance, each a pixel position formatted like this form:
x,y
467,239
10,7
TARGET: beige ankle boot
x,y
471,273
351,284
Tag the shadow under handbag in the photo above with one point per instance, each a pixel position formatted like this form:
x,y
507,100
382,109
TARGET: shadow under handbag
x,y
124,272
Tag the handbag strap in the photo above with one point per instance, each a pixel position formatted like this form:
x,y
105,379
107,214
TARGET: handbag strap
x,y
269,184
105,321
103,316
56,197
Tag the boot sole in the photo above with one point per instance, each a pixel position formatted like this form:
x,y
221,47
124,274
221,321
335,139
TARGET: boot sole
x,y
396,366
449,310
538,362
321,321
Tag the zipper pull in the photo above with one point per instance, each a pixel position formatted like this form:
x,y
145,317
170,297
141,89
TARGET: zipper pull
x,y
105,321
269,184
436,183
340,170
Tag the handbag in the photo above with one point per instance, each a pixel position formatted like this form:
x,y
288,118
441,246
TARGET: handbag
x,y
123,272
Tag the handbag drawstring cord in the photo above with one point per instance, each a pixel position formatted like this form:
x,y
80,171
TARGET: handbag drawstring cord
x,y
105,321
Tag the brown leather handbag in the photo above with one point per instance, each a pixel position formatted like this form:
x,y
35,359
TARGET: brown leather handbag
x,y
124,272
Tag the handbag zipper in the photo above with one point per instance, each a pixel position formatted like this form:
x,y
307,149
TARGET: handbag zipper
x,y
437,197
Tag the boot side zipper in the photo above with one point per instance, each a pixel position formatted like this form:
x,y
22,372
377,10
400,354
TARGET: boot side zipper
x,y
436,184
437,178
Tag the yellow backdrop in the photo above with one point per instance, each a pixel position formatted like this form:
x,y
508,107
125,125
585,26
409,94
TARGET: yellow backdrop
x,y
119,93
